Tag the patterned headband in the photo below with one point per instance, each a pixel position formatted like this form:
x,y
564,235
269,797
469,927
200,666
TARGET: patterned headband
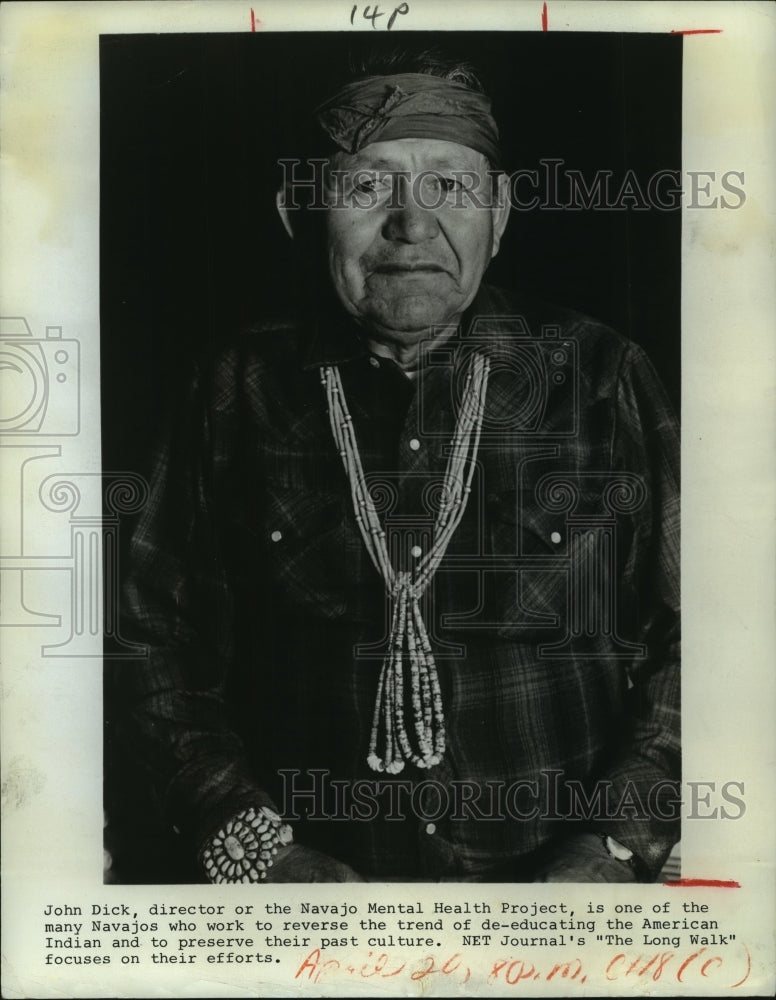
x,y
409,106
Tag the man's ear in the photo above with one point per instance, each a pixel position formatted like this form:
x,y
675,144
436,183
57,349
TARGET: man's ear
x,y
285,218
501,209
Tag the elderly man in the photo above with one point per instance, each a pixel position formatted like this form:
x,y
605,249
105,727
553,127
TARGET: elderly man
x,y
408,576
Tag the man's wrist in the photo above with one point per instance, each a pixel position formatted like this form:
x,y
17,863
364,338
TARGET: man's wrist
x,y
245,847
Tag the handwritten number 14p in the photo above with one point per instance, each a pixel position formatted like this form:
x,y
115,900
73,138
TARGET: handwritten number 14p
x,y
370,13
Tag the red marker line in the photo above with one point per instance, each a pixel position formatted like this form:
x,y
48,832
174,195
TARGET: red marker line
x,y
713,883
696,31
544,17
253,20
748,970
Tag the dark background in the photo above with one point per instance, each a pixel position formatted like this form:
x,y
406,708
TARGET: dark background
x,y
191,247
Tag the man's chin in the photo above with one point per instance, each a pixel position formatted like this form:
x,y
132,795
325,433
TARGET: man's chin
x,y
410,319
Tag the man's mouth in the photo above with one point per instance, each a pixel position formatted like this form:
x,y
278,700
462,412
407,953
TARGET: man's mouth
x,y
417,267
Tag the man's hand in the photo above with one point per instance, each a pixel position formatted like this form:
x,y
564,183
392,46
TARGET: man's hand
x,y
584,858
296,863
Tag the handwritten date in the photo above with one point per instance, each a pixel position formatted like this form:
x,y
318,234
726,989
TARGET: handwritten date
x,y
728,972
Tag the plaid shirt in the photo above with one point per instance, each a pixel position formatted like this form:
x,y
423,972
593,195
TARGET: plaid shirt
x,y
553,616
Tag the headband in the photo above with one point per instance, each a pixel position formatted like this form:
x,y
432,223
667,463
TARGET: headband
x,y
409,106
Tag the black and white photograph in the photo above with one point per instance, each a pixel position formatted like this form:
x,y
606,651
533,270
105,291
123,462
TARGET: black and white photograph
x,y
381,312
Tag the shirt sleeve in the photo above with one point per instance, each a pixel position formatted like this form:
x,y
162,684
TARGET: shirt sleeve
x,y
646,775
173,719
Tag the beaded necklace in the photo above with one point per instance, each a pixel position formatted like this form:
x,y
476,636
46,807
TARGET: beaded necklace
x,y
409,642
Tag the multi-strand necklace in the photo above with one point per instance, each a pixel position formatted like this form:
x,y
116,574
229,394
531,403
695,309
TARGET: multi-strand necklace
x,y
409,644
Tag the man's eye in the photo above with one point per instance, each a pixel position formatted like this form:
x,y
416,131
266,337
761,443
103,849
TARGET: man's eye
x,y
440,184
367,185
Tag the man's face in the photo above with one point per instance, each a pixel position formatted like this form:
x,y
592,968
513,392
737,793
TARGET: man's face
x,y
412,227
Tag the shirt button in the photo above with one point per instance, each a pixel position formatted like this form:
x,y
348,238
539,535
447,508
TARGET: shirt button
x,y
276,536
414,444
374,362
430,828
416,552
555,537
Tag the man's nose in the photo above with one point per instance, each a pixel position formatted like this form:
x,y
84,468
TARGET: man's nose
x,y
407,221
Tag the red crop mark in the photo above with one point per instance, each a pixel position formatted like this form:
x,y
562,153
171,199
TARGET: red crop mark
x,y
696,31
712,883
544,17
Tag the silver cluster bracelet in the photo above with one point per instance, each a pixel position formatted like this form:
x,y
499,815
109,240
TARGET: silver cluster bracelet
x,y
244,847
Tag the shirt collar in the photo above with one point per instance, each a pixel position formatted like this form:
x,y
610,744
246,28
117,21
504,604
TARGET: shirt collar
x,y
333,344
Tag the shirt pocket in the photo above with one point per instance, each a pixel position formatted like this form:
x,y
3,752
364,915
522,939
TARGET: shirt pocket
x,y
563,589
313,557
527,596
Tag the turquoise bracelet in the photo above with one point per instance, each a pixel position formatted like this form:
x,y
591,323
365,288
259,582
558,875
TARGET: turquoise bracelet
x,y
244,848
